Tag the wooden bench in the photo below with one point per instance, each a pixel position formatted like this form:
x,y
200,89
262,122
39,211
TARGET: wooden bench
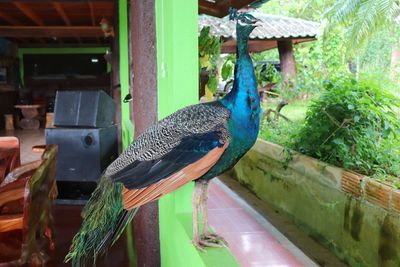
x,y
9,155
26,198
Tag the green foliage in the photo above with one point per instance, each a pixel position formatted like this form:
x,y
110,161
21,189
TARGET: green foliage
x,y
316,62
304,9
227,68
279,132
266,73
209,52
375,57
353,125
362,17
212,83
208,44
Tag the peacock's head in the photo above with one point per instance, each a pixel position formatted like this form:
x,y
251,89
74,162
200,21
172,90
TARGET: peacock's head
x,y
245,23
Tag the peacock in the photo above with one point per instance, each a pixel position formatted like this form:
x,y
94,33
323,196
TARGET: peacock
x,y
196,143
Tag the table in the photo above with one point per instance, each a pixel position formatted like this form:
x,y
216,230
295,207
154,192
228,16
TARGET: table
x,y
31,115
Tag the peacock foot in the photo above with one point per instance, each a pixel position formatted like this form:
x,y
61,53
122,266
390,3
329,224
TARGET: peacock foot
x,y
209,240
214,238
202,243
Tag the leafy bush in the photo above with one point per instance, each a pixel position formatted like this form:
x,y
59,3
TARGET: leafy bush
x,y
353,125
279,132
209,51
266,73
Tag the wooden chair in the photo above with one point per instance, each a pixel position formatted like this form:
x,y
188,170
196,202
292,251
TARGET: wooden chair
x,y
26,197
9,155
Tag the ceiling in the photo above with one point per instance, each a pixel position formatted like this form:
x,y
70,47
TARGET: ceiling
x,y
54,22
63,22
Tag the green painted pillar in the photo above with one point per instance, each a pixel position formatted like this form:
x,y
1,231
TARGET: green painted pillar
x,y
177,79
177,54
126,124
177,61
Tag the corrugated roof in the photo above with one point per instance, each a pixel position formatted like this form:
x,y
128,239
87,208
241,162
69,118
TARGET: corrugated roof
x,y
274,27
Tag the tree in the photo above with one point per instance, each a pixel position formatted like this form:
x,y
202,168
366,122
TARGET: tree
x,y
363,18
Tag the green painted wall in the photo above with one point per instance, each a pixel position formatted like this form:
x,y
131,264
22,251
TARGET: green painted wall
x,y
177,60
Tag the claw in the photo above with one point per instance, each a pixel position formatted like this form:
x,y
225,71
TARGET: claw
x,y
217,239
201,244
207,238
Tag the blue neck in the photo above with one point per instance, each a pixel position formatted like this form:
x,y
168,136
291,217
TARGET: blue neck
x,y
243,100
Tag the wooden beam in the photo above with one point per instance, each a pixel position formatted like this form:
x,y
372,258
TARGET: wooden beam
x,y
18,40
50,31
224,5
229,46
30,44
209,8
65,1
93,17
64,16
62,13
9,19
29,13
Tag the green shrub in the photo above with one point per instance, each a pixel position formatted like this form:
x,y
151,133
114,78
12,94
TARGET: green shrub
x,y
278,132
353,125
281,131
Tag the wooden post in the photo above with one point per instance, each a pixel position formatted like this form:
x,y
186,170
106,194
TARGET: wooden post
x,y
143,66
288,63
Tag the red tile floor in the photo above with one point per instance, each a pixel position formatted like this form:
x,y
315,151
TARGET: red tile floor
x,y
250,242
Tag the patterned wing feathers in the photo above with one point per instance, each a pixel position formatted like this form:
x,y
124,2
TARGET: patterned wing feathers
x,y
133,198
162,137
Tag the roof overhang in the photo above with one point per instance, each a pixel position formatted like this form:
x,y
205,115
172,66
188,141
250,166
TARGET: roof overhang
x,y
220,8
229,46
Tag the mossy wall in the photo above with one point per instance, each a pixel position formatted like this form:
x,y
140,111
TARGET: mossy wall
x,y
312,194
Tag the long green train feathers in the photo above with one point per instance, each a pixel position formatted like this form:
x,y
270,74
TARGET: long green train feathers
x,y
101,226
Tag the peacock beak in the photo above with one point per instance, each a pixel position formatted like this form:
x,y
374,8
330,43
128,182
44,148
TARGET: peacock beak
x,y
257,23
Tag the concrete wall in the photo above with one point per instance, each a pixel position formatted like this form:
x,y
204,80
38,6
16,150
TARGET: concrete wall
x,y
355,216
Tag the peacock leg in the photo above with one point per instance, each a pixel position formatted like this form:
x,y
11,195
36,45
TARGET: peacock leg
x,y
199,241
195,211
207,231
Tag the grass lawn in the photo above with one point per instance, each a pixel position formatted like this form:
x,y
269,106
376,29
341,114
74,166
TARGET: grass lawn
x,y
295,111
280,131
